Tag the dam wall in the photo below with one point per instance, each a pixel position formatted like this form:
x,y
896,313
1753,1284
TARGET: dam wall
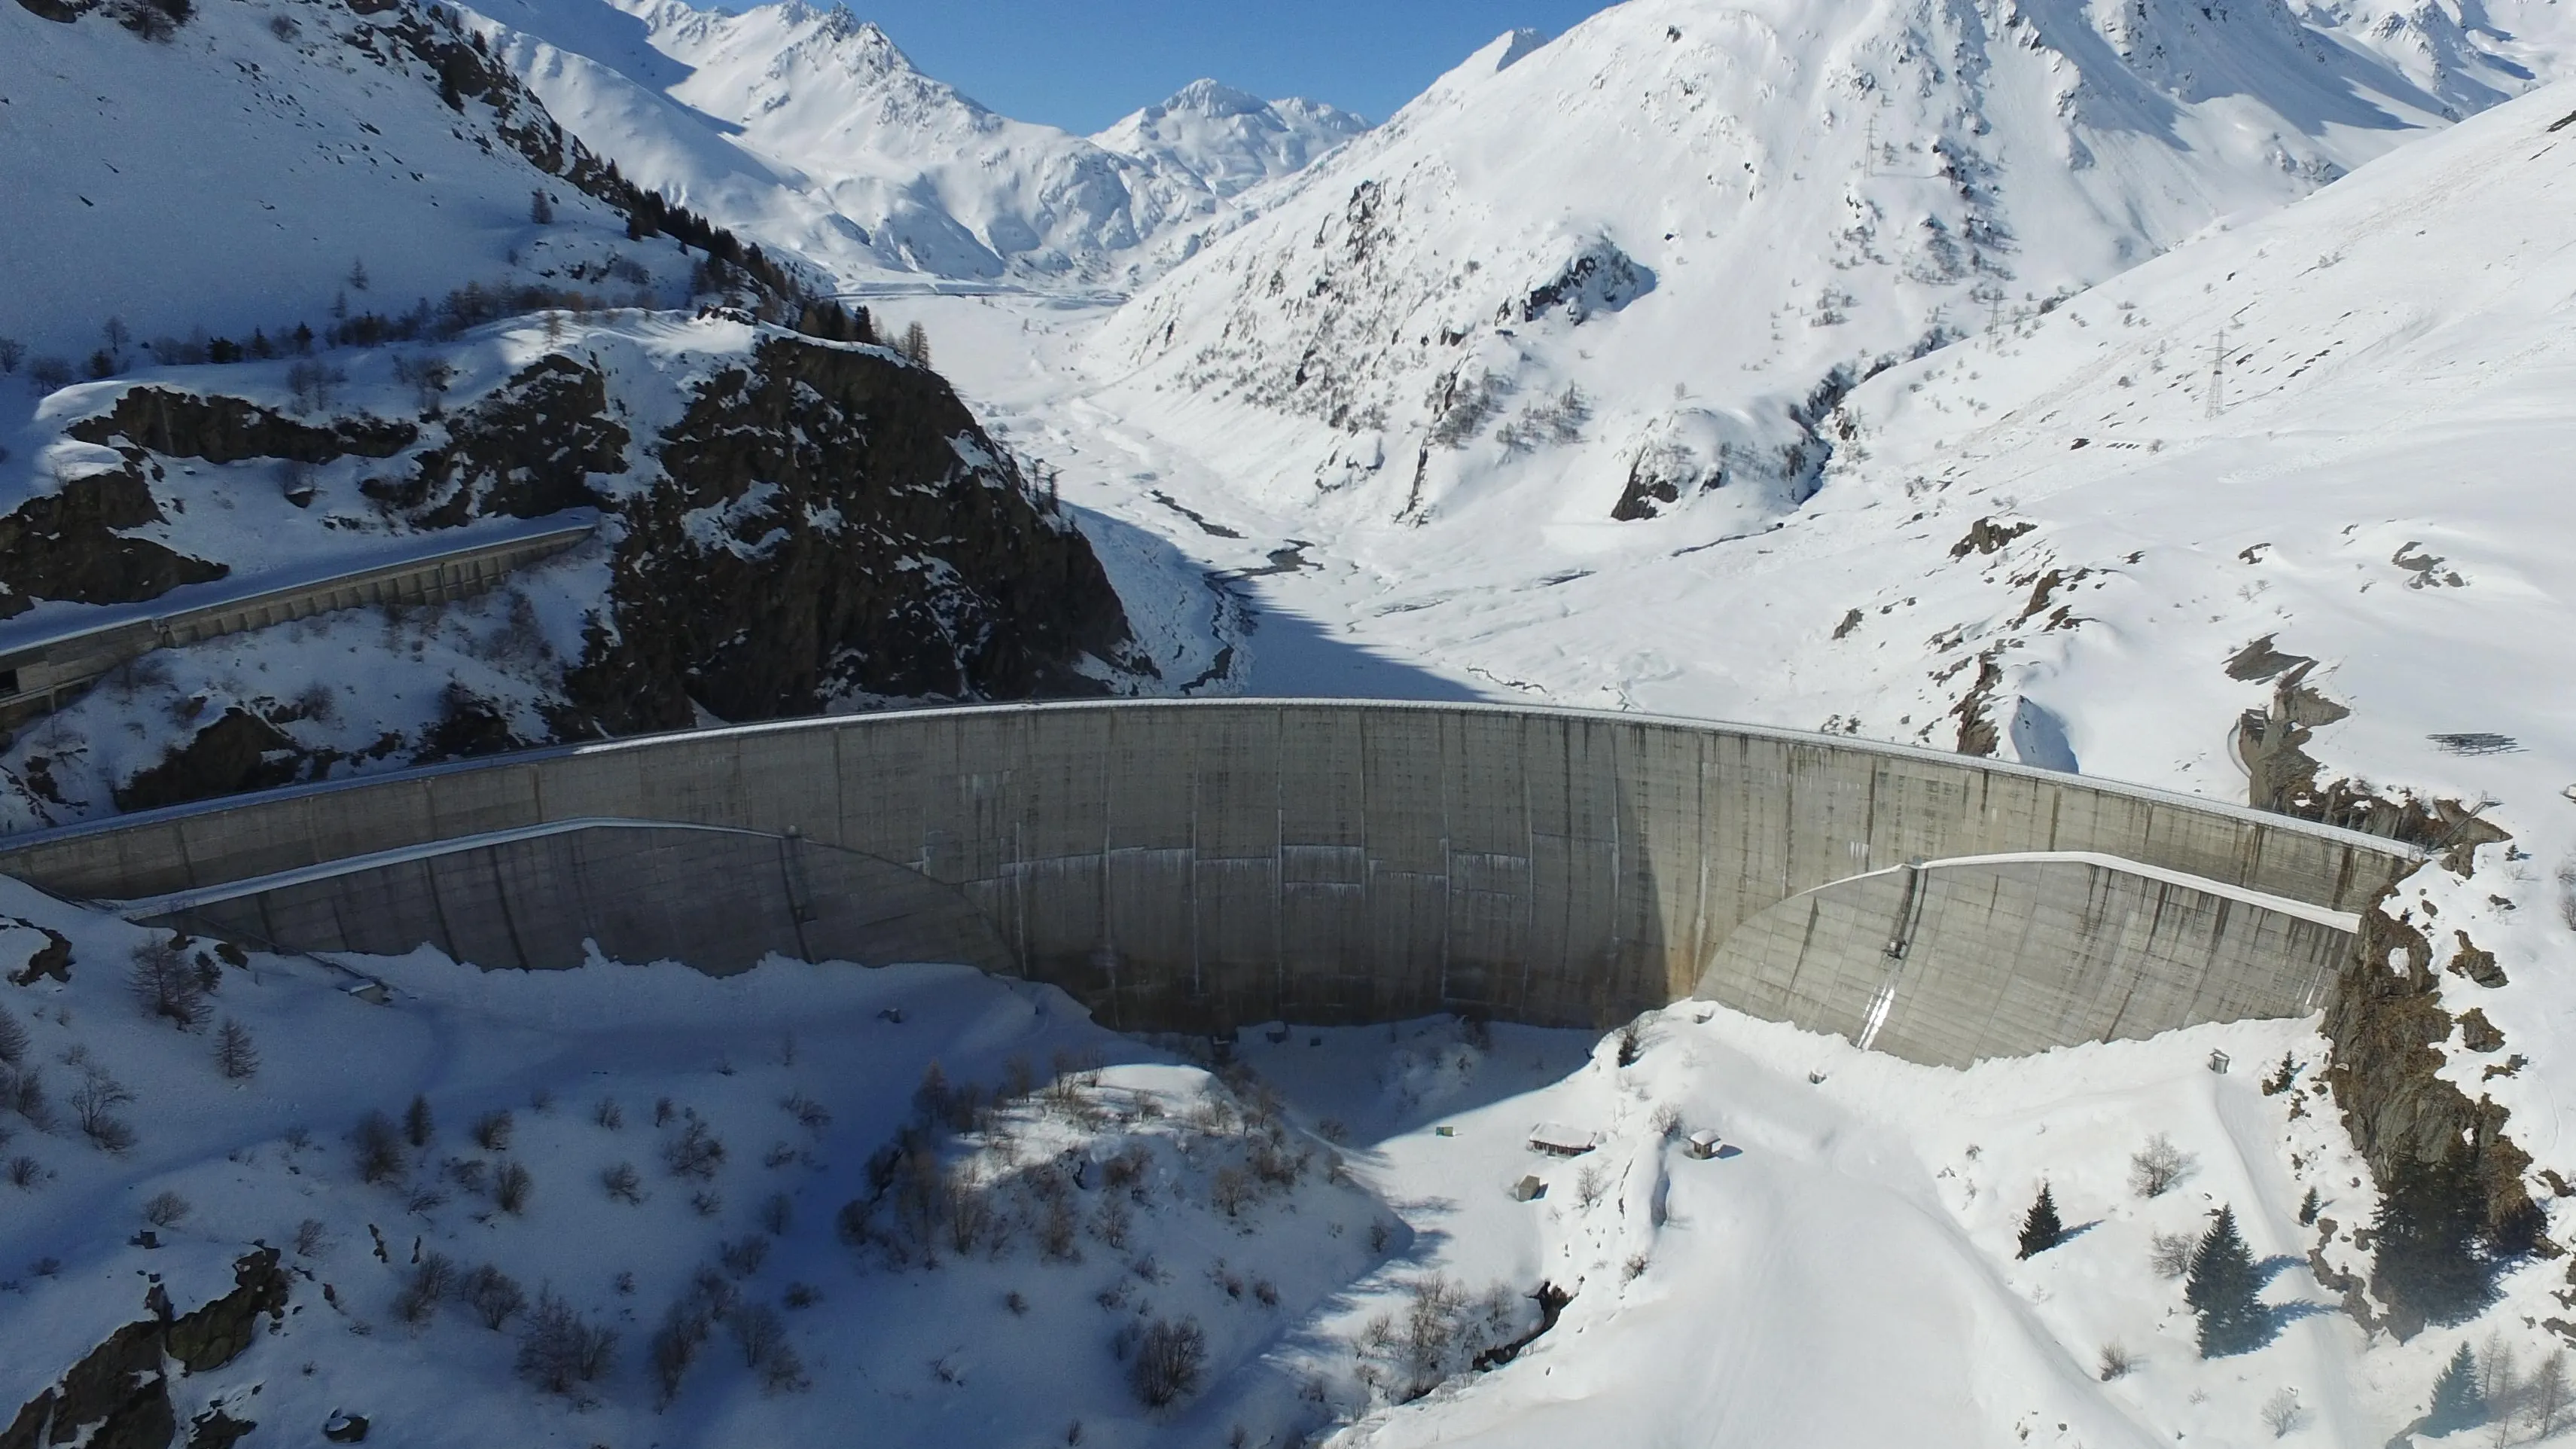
x,y
1200,864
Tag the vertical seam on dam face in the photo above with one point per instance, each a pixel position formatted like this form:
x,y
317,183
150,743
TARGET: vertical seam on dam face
x,y
1527,863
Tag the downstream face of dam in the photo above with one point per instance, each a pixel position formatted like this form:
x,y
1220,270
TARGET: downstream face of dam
x,y
1197,865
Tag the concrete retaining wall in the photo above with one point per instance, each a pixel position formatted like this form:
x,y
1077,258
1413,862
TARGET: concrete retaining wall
x,y
1960,960
719,900
1199,863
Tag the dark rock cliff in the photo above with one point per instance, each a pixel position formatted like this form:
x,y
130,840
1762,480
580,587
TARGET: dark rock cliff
x,y
835,523
118,1395
825,525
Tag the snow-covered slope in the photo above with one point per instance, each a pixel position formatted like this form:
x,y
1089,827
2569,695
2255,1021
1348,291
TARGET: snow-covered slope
x,y
267,166
1627,272
949,1207
809,129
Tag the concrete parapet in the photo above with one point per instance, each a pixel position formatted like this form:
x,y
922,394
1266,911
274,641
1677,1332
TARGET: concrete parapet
x,y
1202,863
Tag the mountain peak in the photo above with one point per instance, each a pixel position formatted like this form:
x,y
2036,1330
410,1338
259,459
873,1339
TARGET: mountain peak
x,y
1208,97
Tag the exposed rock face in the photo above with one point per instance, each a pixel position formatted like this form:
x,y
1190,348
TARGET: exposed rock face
x,y
837,523
228,430
823,525
2387,1025
523,451
118,1397
65,545
239,751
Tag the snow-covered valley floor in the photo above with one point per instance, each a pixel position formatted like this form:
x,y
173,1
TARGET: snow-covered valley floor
x,y
1332,1210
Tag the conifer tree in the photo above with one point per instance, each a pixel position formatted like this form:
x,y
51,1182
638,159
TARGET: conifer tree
x,y
2222,1289
2040,1230
2456,1404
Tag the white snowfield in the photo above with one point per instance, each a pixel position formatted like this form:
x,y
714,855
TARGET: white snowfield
x,y
234,177
1845,1277
808,129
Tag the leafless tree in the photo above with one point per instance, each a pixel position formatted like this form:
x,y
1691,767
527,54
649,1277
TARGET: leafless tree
x,y
512,1186
495,1296
623,1183
166,1210
2154,1169
165,983
236,1056
1170,1359
380,1156
94,1105
560,1350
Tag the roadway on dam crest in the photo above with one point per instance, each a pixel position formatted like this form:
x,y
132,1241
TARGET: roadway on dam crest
x,y
1202,864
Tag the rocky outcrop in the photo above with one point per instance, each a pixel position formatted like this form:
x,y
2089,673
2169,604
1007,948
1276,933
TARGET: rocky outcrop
x,y
836,524
66,545
2434,1152
239,751
230,430
118,1395
523,451
825,524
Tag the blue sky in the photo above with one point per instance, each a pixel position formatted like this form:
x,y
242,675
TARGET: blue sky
x,y
1082,64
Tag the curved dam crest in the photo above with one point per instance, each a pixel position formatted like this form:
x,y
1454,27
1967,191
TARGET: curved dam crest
x,y
1201,864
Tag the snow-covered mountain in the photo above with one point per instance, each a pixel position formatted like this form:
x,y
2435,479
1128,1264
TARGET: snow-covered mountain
x,y
1230,139
263,167
1630,271
810,129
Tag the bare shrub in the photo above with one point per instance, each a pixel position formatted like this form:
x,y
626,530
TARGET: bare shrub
x,y
94,1105
743,1256
2116,1362
235,1054
380,1154
166,1210
560,1350
811,1115
784,1373
1110,1223
310,1237
26,1173
430,1283
2282,1413
757,1331
492,1131
706,1203
624,1183
2170,1254
495,1296
23,1092
13,1039
165,984
512,1186
674,1346
2158,1166
1231,1190
418,1125
608,1114
776,1214
1169,1361
1590,1185
696,1152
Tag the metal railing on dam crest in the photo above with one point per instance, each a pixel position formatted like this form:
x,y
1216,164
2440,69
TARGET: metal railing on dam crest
x,y
1199,864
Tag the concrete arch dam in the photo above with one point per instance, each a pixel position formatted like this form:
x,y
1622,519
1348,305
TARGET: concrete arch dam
x,y
1202,864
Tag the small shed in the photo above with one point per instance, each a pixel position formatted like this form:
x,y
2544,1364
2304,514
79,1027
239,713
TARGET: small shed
x,y
1558,1140
1529,1189
1702,1144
